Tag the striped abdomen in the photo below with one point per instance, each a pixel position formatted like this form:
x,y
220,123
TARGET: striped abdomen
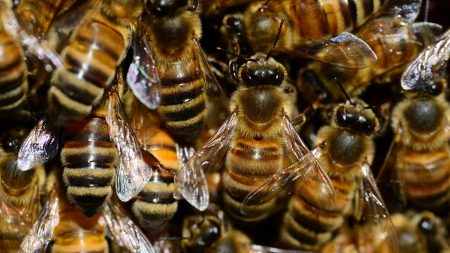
x,y
13,75
90,60
88,158
309,222
155,204
182,102
77,233
321,19
425,177
248,163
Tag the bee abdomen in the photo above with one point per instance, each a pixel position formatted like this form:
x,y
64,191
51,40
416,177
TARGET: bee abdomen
x,y
90,61
311,218
155,204
326,18
426,178
13,73
88,158
183,106
249,162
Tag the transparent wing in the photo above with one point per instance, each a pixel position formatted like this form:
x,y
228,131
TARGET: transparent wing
x,y
125,232
375,215
428,67
40,49
190,179
142,76
304,166
216,102
132,173
40,146
42,231
344,50
11,219
405,9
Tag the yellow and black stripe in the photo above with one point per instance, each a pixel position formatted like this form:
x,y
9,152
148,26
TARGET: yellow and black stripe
x,y
88,158
13,75
248,163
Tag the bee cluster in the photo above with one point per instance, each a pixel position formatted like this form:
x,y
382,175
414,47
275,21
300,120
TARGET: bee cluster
x,y
224,126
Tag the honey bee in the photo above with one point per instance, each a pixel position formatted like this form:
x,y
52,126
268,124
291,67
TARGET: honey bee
x,y
155,205
92,147
190,94
312,21
212,232
71,231
257,140
416,232
90,58
396,42
345,149
19,193
419,158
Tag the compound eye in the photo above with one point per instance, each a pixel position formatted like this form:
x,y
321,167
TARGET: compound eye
x,y
11,143
162,7
278,77
426,225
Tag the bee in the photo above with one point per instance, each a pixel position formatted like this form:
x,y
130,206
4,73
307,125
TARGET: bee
x,y
418,163
70,231
212,232
189,93
416,232
90,58
19,193
92,148
256,141
345,149
155,205
14,84
396,41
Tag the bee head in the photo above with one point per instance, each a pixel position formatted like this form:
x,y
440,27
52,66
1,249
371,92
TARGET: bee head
x,y
258,70
165,7
356,116
202,232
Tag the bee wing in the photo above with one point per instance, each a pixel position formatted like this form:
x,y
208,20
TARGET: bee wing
x,y
17,223
216,103
142,76
132,173
42,231
374,212
344,50
388,180
125,232
190,179
40,146
428,67
40,49
305,166
405,9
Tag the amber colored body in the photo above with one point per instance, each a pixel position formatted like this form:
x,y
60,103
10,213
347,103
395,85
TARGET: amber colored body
x,y
155,204
172,39
422,158
88,158
310,220
90,59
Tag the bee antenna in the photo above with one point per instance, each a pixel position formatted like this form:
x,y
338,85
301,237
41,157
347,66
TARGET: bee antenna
x,y
277,38
343,91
